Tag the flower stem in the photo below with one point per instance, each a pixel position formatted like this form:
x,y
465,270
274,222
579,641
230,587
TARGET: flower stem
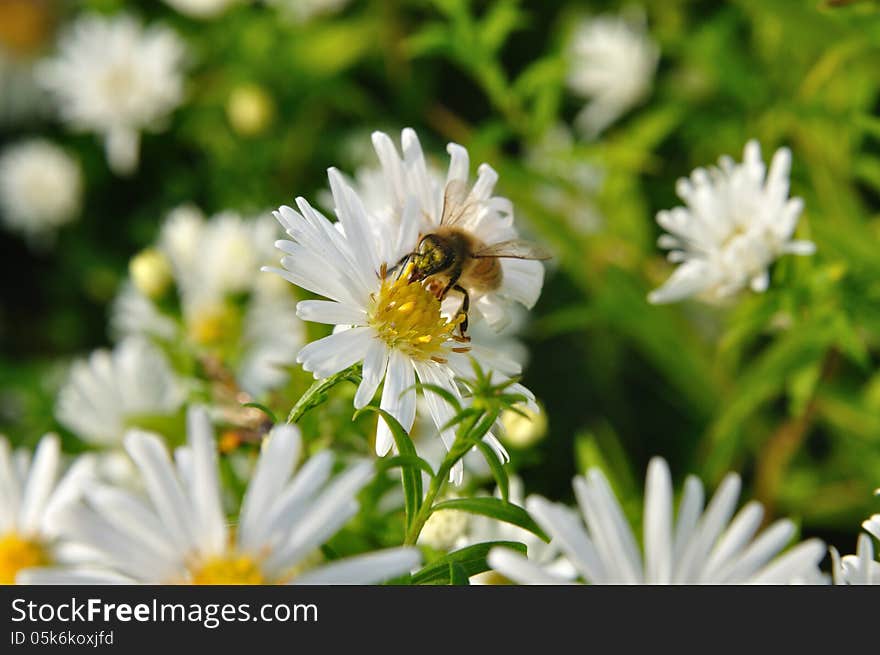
x,y
459,449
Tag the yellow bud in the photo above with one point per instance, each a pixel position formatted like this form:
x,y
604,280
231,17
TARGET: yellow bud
x,y
250,109
523,431
150,272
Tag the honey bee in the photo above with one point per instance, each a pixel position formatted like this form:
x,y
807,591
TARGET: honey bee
x,y
451,258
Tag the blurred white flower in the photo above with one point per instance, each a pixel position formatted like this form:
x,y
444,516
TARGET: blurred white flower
x,y
114,77
612,61
566,183
230,310
31,499
445,528
201,8
409,203
180,534
40,188
112,390
735,225
394,327
303,10
697,547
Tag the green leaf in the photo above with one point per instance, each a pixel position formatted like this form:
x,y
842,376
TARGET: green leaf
x,y
405,461
410,471
497,467
268,412
496,509
317,393
457,575
471,560
443,392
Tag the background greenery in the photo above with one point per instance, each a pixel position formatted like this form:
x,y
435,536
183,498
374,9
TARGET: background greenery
x,y
782,387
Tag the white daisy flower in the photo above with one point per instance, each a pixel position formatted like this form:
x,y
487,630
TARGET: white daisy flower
x,y
413,206
612,61
114,77
40,188
179,533
114,390
201,8
32,497
697,547
394,327
735,225
229,311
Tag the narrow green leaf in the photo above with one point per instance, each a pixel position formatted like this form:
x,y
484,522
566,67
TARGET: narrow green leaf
x,y
497,509
444,393
410,473
457,575
404,461
317,393
268,412
471,560
498,470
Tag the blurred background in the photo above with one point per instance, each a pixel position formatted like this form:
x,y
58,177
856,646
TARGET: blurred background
x,y
782,387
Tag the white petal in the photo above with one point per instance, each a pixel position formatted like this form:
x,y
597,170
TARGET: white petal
x,y
330,312
658,523
514,566
205,489
40,481
365,569
336,352
277,458
398,399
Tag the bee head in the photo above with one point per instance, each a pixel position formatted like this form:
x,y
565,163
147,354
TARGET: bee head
x,y
431,257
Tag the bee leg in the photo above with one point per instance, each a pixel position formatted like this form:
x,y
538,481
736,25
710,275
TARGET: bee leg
x,y
399,264
463,310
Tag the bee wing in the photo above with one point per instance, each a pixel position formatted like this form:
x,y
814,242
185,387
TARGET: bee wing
x,y
457,205
513,249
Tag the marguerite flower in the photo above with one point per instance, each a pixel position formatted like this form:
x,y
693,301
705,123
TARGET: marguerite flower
x,y
116,78
612,61
696,547
735,225
112,391
413,206
395,328
40,187
180,534
31,499
225,312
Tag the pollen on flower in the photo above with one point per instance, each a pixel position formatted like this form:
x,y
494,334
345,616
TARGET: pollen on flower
x,y
17,553
232,569
213,325
407,317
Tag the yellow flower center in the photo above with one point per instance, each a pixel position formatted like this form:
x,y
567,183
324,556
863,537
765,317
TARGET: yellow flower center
x,y
17,553
231,569
407,317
